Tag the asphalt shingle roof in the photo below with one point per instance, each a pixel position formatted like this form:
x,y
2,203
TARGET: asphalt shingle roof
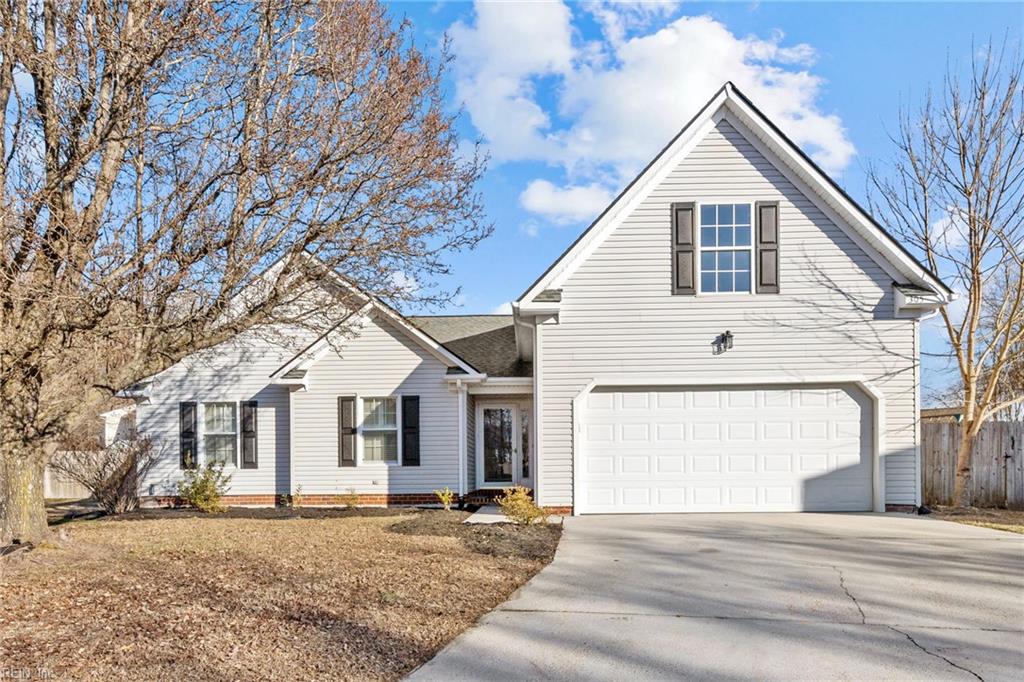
x,y
487,342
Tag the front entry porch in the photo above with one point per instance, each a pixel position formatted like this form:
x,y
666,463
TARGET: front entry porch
x,y
503,453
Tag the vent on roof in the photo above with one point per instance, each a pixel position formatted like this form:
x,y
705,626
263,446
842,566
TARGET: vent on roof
x,y
294,374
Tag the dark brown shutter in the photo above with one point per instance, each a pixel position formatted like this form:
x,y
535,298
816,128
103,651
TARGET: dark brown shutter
x,y
767,234
346,432
249,460
187,432
411,430
683,270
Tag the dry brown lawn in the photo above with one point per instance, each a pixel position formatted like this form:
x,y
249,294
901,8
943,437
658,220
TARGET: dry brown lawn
x,y
171,595
1000,519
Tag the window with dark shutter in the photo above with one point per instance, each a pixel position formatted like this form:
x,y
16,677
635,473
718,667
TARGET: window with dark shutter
x,y
683,281
767,247
249,458
187,432
411,430
346,432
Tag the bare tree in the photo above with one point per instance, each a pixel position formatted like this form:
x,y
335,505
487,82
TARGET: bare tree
x,y
167,167
956,194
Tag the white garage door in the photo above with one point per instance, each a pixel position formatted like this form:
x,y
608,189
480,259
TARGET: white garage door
x,y
757,449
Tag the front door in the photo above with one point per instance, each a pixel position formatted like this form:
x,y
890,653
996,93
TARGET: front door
x,y
500,446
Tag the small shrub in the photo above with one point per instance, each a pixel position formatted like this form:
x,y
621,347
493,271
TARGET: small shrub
x,y
519,507
445,497
351,500
203,488
297,497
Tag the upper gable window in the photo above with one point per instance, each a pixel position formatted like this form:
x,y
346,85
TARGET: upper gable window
x,y
726,248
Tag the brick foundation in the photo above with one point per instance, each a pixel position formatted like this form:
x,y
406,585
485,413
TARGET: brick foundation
x,y
477,497
901,508
361,499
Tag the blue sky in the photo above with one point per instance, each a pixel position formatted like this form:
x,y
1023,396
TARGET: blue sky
x,y
547,87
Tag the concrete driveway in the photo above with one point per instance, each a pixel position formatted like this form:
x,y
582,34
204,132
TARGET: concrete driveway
x,y
758,596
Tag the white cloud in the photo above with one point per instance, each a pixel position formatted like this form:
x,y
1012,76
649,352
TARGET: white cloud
x,y
950,231
508,45
622,16
531,228
404,283
599,110
503,309
569,204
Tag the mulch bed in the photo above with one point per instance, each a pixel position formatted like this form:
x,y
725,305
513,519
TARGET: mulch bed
x,y
257,594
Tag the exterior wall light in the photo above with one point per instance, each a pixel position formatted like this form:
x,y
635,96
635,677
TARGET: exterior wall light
x,y
722,343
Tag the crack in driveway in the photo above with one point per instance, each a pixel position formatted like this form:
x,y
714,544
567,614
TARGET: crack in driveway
x,y
842,585
932,653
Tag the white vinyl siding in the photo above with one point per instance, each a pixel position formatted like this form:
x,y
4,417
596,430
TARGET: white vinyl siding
x,y
834,315
234,371
380,361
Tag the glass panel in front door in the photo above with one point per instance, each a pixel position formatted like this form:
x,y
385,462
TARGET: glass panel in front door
x,y
499,448
524,441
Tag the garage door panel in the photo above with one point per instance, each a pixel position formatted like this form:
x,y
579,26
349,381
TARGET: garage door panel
x,y
728,450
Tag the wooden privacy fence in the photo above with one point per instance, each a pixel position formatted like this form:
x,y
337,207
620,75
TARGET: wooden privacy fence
x,y
997,466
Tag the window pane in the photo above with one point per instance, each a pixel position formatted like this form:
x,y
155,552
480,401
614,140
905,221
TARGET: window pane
x,y
742,236
725,281
219,417
707,260
707,282
742,214
220,449
725,260
725,236
743,281
743,260
725,214
707,215
379,413
380,446
707,236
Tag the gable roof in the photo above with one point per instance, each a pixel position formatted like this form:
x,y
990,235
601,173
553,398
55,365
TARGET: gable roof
x,y
305,358
732,104
488,342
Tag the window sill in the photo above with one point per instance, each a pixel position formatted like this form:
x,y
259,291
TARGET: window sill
x,y
730,296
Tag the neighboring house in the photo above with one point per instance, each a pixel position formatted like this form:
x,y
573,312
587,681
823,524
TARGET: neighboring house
x,y
118,424
733,333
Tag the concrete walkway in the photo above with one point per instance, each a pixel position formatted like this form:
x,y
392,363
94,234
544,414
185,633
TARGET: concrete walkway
x,y
758,596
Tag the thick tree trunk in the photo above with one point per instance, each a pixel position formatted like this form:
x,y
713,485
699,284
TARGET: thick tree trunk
x,y
961,496
22,498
